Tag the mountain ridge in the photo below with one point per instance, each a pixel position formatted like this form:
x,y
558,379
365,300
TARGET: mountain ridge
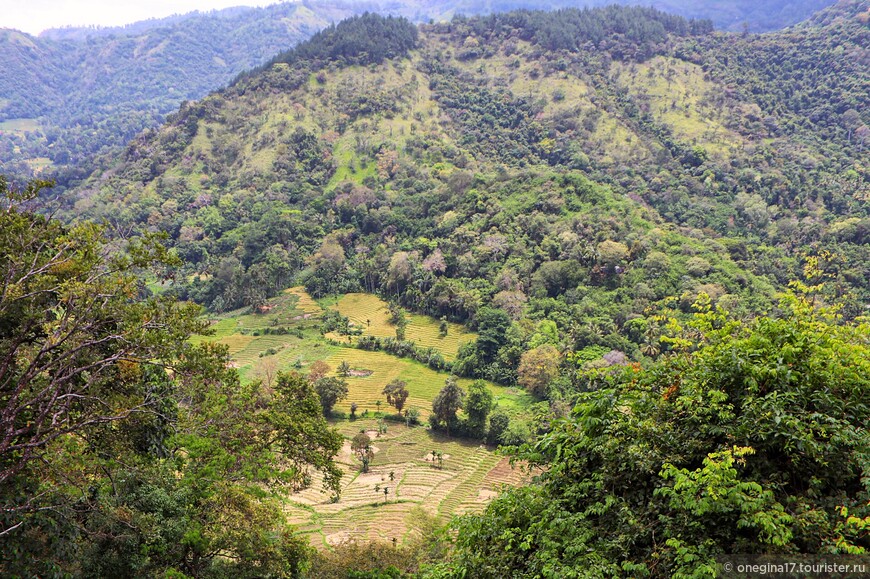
x,y
480,168
89,90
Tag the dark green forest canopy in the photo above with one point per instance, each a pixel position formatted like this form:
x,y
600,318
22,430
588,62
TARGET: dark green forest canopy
x,y
749,438
366,39
125,450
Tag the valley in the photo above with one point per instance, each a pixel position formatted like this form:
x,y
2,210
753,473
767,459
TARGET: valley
x,y
287,336
572,293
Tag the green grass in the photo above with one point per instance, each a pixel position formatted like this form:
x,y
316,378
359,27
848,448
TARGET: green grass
x,y
423,382
371,313
471,473
249,346
675,90
157,286
20,126
38,164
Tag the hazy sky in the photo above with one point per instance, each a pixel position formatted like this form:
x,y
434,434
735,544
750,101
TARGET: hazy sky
x,y
34,16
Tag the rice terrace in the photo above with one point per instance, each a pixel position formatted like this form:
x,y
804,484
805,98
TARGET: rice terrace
x,y
427,475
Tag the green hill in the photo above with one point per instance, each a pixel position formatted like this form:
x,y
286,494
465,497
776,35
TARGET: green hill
x,y
646,240
595,170
87,91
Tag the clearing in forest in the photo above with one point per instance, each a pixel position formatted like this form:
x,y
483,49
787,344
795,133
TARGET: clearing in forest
x,y
465,478
371,314
285,335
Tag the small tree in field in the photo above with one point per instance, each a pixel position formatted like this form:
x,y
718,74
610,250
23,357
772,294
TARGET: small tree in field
x,y
396,393
318,370
447,403
361,446
343,369
331,390
266,369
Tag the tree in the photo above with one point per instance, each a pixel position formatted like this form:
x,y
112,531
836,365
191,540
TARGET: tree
x,y
318,370
728,447
396,393
327,268
612,253
492,331
343,369
447,403
331,390
266,369
478,405
68,331
498,425
538,367
361,446
125,449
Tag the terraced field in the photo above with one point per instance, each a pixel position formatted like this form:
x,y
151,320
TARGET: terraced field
x,y
371,314
423,382
252,342
286,335
468,478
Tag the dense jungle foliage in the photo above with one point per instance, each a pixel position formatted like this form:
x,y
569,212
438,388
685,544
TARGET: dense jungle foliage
x,y
124,449
72,94
618,201
751,438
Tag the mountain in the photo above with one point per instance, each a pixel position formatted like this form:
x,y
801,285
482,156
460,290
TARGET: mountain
x,y
595,170
656,233
72,93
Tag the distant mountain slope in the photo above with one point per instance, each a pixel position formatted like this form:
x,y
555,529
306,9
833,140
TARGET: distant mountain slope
x,y
89,90
75,92
594,169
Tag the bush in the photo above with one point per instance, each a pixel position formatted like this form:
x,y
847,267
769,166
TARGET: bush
x,y
498,424
413,416
516,433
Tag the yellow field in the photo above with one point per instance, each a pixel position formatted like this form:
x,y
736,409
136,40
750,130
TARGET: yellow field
x,y
304,302
369,312
423,382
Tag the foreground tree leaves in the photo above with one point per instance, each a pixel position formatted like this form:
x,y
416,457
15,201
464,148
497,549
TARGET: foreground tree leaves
x,y
125,450
748,438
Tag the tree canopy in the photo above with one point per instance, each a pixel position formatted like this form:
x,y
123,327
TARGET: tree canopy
x,y
751,437
125,449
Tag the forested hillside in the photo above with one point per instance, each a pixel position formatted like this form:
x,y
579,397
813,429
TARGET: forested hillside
x,y
70,94
73,93
653,234
588,170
